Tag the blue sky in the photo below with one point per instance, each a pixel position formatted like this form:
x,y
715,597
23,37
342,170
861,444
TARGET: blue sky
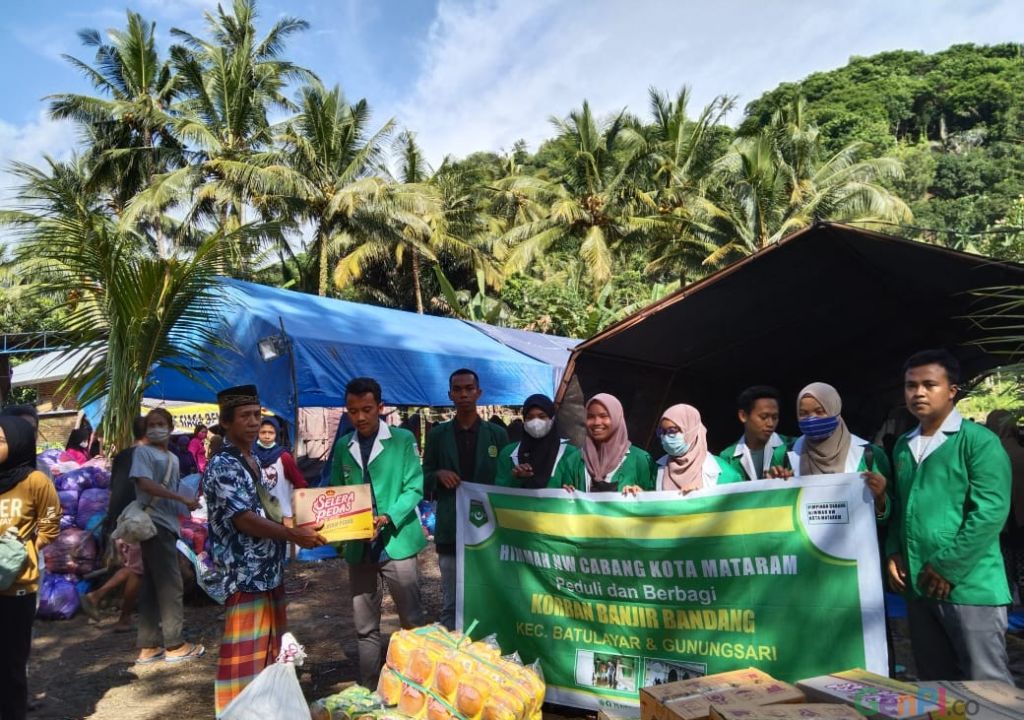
x,y
479,74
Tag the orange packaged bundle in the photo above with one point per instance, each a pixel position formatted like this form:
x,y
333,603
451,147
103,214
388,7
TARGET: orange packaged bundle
x,y
434,674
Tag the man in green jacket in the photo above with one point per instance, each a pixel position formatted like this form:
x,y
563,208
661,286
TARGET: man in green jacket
x,y
385,458
952,497
464,449
761,448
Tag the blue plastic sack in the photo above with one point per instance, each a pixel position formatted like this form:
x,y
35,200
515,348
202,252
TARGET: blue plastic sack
x,y
428,515
324,552
58,597
90,503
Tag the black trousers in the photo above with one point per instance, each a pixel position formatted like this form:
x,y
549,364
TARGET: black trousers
x,y
16,615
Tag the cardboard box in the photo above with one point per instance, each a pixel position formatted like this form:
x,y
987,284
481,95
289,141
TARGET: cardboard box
x,y
698,707
632,713
346,511
654,698
977,700
874,696
820,711
692,699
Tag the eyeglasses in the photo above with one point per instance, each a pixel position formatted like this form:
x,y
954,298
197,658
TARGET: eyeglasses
x,y
670,432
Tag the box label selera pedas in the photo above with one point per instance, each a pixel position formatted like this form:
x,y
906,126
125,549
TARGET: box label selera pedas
x,y
346,512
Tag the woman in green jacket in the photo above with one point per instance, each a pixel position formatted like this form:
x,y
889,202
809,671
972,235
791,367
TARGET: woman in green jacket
x,y
687,465
827,446
541,459
611,462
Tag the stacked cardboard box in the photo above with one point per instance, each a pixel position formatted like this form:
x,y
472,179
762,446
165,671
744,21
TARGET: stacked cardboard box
x,y
819,711
693,699
882,698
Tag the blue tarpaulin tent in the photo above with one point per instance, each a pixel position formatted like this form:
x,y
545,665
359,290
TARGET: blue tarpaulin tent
x,y
333,341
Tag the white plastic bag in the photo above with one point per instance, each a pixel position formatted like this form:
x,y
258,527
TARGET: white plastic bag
x,y
134,525
275,693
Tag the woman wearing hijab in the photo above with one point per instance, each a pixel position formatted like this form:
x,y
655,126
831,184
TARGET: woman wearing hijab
x,y
541,459
28,413
611,462
77,447
280,473
197,446
28,504
687,465
827,446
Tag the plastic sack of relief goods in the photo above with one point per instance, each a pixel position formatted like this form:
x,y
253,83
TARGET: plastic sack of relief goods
x,y
275,693
440,675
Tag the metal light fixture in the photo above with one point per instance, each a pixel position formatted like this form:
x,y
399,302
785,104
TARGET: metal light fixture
x,y
272,347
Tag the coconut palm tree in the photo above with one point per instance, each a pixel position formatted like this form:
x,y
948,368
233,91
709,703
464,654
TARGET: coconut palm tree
x,y
781,180
436,218
126,309
344,195
229,83
128,124
679,156
592,205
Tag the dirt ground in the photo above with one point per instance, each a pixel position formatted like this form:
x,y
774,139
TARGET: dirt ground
x,y
80,669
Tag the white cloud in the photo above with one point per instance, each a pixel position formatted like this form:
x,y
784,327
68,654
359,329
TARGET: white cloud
x,y
495,70
28,143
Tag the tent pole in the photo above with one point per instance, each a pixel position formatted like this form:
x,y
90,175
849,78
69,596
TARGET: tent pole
x,y
295,387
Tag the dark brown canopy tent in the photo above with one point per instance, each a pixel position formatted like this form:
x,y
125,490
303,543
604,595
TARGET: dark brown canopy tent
x,y
832,303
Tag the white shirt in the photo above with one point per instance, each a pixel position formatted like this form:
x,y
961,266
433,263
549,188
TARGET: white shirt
x,y
743,451
709,471
921,446
278,485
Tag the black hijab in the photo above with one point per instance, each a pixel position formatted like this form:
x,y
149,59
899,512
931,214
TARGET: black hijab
x,y
21,452
79,440
539,453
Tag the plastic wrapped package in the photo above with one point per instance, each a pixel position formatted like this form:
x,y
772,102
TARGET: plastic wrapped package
x,y
58,597
351,703
93,501
275,693
81,478
74,551
435,674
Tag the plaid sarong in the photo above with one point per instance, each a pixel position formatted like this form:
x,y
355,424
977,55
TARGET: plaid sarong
x,y
253,625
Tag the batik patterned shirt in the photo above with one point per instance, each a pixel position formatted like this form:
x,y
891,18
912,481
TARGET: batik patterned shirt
x,y
245,563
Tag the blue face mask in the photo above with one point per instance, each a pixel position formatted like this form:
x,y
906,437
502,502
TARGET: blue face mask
x,y
818,428
675,445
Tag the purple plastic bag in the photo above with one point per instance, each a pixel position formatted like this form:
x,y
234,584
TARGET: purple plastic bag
x,y
100,476
74,551
47,459
67,521
76,480
58,597
91,502
68,502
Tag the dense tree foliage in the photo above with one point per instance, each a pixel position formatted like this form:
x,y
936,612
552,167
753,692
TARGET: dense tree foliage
x,y
182,162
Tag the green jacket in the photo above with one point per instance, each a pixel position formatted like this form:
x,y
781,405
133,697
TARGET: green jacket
x,y
716,472
440,453
637,468
738,457
569,468
949,510
397,481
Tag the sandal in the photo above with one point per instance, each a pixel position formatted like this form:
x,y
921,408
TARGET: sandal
x,y
196,651
151,659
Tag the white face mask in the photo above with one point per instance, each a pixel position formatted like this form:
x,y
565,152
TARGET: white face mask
x,y
538,427
158,434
